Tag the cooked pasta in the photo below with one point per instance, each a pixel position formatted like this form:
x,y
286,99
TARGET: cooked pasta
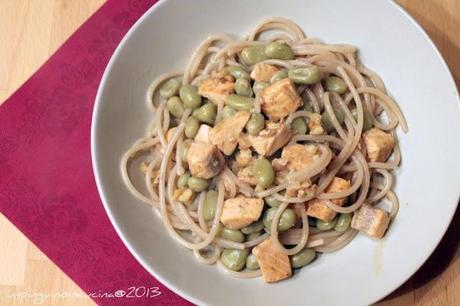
x,y
269,149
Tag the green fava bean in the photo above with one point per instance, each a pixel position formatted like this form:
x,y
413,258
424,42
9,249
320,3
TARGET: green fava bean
x,y
193,206
238,72
206,113
175,106
209,205
220,227
243,87
286,221
324,225
279,50
191,127
308,108
299,126
267,217
253,227
253,55
240,103
255,124
280,75
233,235
302,258
327,122
306,102
182,181
335,84
253,236
272,201
170,88
307,75
197,184
262,171
234,259
259,87
251,262
183,150
228,112
190,96
367,119
343,222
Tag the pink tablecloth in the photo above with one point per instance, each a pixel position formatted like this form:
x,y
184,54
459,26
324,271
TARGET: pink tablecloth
x,y
47,187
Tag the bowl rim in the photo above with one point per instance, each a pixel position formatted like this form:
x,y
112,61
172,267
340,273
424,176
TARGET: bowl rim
x,y
101,190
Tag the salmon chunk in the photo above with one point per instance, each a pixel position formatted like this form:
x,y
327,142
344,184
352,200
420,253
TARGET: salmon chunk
x,y
241,211
270,139
204,160
318,209
226,133
217,87
295,157
203,134
371,221
280,99
379,145
275,265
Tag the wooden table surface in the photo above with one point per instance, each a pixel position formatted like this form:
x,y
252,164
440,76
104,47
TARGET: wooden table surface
x,y
31,30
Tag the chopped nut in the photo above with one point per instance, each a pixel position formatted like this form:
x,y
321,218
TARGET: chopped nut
x,y
156,177
244,157
314,124
184,195
301,189
143,167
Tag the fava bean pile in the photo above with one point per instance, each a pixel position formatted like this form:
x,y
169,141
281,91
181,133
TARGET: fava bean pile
x,y
269,150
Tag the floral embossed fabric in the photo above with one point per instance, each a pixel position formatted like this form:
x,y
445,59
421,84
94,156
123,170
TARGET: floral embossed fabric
x,y
47,187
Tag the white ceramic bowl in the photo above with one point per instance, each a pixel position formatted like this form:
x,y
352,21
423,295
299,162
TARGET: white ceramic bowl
x,y
390,43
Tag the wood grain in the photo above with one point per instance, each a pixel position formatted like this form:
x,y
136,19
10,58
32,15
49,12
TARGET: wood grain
x,y
30,32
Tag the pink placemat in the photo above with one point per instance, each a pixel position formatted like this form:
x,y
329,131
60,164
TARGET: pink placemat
x,y
47,187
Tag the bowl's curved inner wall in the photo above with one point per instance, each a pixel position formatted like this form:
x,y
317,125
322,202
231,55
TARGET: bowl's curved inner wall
x,y
366,269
